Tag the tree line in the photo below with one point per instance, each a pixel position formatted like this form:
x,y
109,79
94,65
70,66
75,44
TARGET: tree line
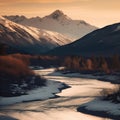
x,y
104,64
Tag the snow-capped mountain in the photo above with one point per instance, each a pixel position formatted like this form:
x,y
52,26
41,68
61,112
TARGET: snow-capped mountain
x,y
102,42
58,22
29,39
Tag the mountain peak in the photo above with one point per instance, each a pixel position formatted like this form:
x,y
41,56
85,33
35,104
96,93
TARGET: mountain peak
x,y
60,12
56,14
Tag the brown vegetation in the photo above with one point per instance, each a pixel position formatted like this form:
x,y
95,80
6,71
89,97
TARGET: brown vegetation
x,y
12,66
104,64
15,73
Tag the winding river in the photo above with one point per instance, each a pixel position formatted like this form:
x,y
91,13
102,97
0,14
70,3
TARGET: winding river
x,y
64,107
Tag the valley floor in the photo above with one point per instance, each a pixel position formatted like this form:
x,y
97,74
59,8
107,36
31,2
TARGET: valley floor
x,y
82,91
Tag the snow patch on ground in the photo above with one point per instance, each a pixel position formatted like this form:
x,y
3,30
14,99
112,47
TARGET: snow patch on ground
x,y
99,105
41,93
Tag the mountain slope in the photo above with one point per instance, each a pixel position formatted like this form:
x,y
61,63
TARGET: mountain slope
x,y
29,39
105,41
58,22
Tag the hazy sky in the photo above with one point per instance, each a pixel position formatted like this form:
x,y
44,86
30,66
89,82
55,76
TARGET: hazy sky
x,y
96,12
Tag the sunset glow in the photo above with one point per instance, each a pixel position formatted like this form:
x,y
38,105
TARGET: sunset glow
x,y
96,12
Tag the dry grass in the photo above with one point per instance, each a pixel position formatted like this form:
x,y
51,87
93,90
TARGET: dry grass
x,y
13,66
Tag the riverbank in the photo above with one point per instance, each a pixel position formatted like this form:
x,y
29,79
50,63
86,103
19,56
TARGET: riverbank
x,y
101,108
41,93
113,78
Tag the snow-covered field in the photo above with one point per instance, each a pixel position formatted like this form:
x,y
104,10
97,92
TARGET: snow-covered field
x,y
83,90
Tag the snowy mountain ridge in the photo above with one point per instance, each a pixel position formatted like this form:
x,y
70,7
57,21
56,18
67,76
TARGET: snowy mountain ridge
x,y
58,22
30,39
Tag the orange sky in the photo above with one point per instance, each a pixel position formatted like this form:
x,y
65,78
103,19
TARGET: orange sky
x,y
96,12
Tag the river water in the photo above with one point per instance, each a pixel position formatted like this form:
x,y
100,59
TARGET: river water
x,y
64,107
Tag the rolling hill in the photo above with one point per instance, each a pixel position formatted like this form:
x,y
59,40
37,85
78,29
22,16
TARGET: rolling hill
x,y
104,41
